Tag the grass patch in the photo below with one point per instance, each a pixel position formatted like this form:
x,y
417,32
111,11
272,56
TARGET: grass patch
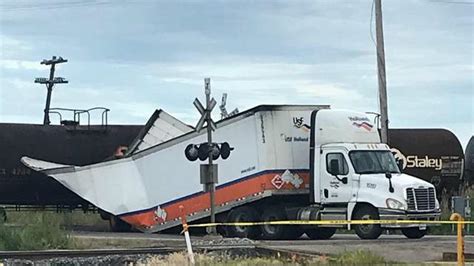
x,y
100,243
359,257
67,219
40,233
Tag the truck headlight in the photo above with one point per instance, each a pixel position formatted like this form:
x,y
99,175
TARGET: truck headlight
x,y
436,204
395,204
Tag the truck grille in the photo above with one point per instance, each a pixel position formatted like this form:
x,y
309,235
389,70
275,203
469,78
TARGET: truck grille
x,y
421,199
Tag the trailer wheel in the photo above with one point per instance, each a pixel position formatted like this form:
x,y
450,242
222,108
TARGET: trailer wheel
x,y
367,231
320,233
243,214
118,225
275,232
414,232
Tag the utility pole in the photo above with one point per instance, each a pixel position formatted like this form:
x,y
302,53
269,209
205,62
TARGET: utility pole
x,y
50,83
382,81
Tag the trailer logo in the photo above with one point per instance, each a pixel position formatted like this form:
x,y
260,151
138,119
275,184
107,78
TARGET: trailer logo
x,y
160,214
277,182
287,178
298,122
286,138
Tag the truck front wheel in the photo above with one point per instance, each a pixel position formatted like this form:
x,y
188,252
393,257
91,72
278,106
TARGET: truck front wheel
x,y
242,214
367,231
414,232
319,233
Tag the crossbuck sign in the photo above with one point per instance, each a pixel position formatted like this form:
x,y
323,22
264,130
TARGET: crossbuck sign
x,y
206,112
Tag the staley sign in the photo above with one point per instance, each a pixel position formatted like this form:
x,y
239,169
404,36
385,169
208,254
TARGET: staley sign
x,y
435,155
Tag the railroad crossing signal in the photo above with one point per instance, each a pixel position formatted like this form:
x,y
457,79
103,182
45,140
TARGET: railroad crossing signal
x,y
204,150
209,150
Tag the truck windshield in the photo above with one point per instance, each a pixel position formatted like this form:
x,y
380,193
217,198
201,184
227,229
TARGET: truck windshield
x,y
373,162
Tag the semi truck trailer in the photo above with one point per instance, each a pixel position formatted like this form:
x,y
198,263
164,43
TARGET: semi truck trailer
x,y
298,162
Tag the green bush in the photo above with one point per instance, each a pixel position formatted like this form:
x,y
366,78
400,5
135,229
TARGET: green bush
x,y
41,233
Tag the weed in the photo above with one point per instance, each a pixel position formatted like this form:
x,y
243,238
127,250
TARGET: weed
x,y
42,232
359,257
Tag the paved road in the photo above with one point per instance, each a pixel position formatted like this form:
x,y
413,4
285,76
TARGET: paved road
x,y
392,247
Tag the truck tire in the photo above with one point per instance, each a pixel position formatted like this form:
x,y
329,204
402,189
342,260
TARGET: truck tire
x,y
243,214
320,233
414,232
367,231
275,232
118,225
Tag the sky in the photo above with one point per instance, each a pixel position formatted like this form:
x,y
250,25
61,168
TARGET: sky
x,y
137,56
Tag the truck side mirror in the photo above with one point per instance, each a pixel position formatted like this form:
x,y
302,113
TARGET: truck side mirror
x,y
334,170
400,165
334,167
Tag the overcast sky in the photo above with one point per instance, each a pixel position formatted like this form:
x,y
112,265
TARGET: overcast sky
x,y
137,56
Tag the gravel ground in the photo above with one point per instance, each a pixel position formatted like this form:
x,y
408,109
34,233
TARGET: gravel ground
x,y
223,241
100,260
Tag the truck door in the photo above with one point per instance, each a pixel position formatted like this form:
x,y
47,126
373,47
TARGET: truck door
x,y
335,188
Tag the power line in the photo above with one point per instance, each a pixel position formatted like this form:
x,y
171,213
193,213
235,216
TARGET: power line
x,y
371,22
55,5
453,2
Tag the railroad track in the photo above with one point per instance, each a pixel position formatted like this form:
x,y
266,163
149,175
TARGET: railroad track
x,y
249,249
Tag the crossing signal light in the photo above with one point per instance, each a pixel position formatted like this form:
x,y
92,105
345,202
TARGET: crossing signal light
x,y
191,152
204,150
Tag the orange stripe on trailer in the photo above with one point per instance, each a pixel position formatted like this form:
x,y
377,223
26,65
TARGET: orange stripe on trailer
x,y
226,193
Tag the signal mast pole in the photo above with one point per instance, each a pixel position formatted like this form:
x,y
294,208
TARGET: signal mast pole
x,y
50,83
212,185
382,81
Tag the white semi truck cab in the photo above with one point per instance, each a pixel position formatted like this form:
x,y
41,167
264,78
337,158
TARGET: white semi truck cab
x,y
356,177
